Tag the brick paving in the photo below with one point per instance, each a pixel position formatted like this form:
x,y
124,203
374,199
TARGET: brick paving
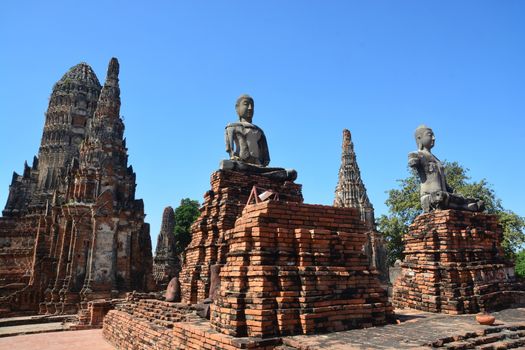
x,y
74,340
416,330
32,328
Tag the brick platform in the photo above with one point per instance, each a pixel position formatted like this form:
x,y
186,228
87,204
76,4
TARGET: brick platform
x,y
154,324
294,268
454,263
145,324
223,204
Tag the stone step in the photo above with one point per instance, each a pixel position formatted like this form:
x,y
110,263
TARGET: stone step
x,y
27,320
503,345
500,337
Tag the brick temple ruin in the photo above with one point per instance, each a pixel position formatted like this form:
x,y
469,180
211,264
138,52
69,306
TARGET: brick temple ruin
x,y
285,268
72,229
261,265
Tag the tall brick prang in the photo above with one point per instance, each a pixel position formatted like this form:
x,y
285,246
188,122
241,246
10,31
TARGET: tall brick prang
x,y
100,219
71,108
78,211
350,191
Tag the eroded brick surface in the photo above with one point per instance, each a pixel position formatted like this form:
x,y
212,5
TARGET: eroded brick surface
x,y
223,204
295,268
454,263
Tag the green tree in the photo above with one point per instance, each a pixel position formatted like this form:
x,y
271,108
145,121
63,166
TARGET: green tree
x,y
185,215
520,264
404,206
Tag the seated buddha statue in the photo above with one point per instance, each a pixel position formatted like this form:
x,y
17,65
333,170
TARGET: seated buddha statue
x,y
435,193
246,144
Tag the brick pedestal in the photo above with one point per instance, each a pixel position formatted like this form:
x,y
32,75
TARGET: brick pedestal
x,y
454,264
297,269
223,204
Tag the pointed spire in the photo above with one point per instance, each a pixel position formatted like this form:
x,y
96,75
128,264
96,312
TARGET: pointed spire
x,y
168,221
109,101
35,163
27,170
350,191
166,239
166,263
103,156
113,69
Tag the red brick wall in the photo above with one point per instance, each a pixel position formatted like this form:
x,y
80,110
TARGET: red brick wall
x,y
17,242
297,269
153,324
453,263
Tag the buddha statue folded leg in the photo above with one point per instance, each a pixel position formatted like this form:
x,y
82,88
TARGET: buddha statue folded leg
x,y
446,200
463,203
435,200
273,173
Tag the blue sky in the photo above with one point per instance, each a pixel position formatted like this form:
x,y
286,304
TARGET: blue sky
x,y
378,68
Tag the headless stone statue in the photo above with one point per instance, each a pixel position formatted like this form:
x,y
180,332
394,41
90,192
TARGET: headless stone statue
x,y
246,144
435,193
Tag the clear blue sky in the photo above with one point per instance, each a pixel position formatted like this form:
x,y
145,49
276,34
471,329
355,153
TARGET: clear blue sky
x,y
378,68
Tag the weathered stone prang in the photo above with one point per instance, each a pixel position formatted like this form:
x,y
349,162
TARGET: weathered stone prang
x,y
350,192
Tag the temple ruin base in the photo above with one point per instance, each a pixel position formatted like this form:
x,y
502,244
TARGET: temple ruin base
x,y
296,268
454,264
154,324
281,268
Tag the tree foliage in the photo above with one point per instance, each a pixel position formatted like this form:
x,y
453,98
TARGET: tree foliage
x,y
404,206
520,264
185,215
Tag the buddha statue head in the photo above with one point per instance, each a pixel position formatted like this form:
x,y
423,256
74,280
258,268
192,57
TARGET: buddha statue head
x,y
425,138
244,107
